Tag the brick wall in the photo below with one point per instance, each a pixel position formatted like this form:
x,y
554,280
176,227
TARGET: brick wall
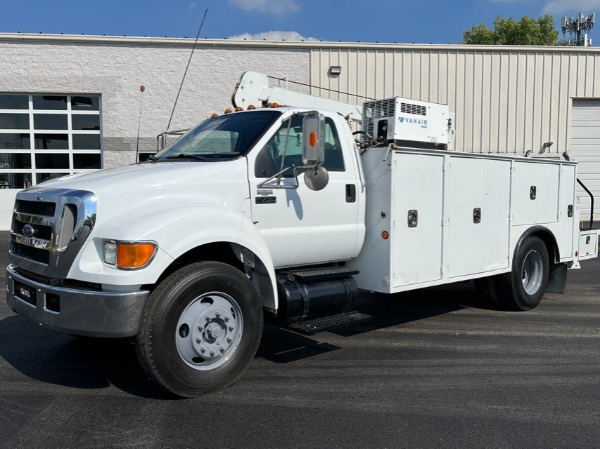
x,y
116,69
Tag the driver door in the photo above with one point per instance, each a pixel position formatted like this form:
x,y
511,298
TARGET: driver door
x,y
302,226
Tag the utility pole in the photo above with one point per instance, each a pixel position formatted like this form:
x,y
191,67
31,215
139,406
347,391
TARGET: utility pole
x,y
577,28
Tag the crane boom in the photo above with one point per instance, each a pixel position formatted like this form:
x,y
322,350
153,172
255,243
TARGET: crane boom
x,y
253,89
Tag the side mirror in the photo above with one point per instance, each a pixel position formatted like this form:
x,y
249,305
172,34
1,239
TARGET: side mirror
x,y
313,139
316,178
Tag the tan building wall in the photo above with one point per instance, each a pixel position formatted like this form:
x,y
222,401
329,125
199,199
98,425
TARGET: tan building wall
x,y
506,99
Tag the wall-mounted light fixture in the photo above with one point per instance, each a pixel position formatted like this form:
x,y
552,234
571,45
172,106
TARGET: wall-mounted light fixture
x,y
335,70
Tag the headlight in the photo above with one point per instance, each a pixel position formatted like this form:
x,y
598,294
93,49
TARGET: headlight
x,y
110,252
128,255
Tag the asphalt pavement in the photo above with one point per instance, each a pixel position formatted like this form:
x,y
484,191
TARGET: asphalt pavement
x,y
433,368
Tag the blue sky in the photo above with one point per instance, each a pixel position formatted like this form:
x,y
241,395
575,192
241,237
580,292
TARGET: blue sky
x,y
419,21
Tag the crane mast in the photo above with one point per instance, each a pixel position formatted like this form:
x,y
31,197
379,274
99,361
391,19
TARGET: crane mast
x,y
254,90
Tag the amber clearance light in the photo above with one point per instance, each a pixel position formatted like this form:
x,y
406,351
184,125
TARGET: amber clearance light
x,y
128,255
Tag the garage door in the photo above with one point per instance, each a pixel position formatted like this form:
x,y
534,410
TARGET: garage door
x,y
585,148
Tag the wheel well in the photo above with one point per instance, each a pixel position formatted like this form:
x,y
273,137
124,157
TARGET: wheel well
x,y
550,242
234,255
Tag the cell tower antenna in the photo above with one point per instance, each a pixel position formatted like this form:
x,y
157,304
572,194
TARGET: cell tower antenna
x,y
577,27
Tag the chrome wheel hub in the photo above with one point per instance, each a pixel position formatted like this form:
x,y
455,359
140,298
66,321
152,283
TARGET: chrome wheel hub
x,y
209,331
533,272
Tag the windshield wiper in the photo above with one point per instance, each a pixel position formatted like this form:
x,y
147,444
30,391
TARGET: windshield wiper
x,y
188,156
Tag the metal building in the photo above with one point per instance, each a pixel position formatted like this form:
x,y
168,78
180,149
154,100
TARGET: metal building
x,y
73,103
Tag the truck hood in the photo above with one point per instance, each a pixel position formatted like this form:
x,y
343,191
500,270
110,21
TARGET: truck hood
x,y
143,176
152,188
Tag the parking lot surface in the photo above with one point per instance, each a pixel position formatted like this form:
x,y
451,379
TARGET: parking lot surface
x,y
433,368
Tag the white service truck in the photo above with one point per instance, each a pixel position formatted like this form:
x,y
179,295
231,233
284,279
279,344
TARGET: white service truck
x,y
189,251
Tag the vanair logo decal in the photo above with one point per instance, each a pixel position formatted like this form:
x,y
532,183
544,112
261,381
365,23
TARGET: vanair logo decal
x,y
413,121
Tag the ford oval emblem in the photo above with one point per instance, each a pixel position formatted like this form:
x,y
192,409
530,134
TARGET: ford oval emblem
x,y
28,230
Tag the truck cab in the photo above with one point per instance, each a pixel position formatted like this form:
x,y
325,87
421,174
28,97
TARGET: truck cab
x,y
88,252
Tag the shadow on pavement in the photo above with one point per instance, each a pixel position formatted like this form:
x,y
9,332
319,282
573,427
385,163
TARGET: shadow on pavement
x,y
280,345
83,363
87,363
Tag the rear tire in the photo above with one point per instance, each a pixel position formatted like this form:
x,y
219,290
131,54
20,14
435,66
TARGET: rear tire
x,y
524,287
200,329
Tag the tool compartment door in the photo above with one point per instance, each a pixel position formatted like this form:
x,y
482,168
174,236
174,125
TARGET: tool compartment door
x,y
535,196
477,207
588,244
417,189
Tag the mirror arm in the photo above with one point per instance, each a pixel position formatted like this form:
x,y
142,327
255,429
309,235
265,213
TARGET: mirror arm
x,y
277,176
287,139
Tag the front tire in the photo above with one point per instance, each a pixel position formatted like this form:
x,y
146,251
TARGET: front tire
x,y
200,329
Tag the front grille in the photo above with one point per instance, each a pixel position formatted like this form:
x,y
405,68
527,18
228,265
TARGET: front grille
x,y
28,252
39,230
42,208
49,228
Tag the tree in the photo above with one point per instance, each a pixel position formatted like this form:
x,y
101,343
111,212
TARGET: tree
x,y
525,31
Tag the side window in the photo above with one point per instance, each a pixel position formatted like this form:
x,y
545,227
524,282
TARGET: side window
x,y
333,150
269,160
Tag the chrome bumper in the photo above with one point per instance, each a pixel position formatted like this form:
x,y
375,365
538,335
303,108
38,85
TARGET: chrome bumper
x,y
77,312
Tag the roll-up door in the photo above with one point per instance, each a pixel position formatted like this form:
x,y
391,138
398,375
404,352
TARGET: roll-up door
x,y
585,148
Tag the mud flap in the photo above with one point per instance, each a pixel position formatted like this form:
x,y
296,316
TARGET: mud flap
x,y
557,278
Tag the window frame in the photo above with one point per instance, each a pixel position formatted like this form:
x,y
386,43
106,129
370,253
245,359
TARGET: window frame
x,y
265,155
34,172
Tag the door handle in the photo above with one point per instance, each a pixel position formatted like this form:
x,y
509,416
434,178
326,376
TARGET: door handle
x,y
350,193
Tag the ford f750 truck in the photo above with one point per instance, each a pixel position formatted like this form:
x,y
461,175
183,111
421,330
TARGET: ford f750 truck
x,y
285,213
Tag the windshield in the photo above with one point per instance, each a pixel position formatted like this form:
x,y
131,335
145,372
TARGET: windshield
x,y
223,137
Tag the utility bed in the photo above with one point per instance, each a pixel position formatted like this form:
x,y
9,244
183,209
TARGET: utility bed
x,y
454,216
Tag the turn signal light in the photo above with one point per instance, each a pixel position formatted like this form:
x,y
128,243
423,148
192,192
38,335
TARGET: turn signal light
x,y
228,111
214,115
128,255
385,235
251,107
134,255
238,108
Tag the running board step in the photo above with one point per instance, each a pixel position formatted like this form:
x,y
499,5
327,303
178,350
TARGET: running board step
x,y
330,322
320,274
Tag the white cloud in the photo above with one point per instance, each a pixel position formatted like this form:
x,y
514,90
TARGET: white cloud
x,y
273,36
273,7
571,6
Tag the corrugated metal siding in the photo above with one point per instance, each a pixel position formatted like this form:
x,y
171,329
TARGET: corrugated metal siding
x,y
506,99
585,146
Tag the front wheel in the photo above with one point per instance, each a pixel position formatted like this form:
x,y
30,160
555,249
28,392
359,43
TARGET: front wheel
x,y
200,329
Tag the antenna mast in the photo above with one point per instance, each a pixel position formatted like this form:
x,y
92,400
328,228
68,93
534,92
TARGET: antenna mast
x,y
187,67
137,144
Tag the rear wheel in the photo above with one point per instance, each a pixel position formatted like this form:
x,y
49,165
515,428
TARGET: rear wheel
x,y
200,329
524,287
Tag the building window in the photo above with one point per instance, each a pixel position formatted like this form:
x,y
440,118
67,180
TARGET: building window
x,y
47,136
